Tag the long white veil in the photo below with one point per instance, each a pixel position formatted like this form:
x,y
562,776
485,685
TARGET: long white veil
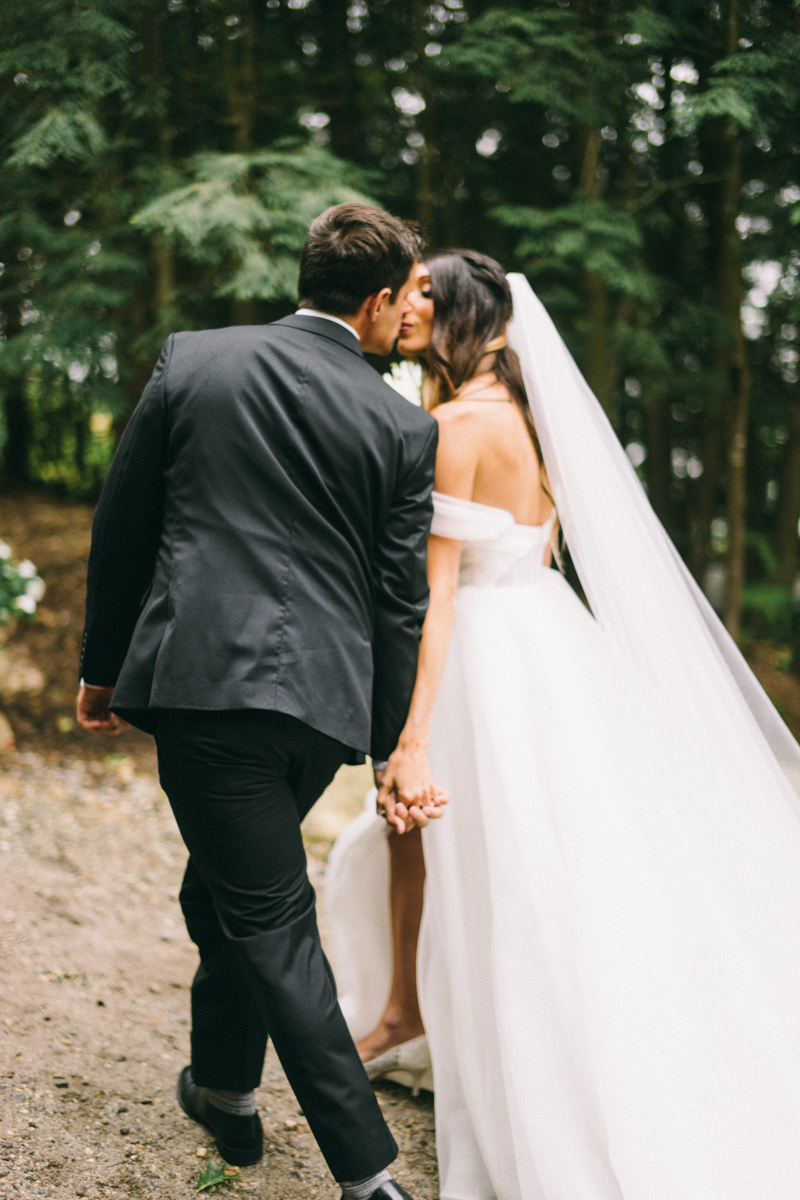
x,y
640,591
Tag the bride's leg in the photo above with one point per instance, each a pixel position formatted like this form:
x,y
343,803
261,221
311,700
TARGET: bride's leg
x,y
401,1020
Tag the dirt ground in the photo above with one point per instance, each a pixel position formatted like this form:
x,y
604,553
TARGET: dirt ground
x,y
94,960
96,968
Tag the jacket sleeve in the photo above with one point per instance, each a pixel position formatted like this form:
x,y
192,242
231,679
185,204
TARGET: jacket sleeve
x,y
126,533
401,597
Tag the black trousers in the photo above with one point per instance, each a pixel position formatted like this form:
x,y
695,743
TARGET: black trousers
x,y
239,784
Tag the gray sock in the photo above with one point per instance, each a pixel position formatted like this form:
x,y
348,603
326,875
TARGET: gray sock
x,y
362,1189
241,1104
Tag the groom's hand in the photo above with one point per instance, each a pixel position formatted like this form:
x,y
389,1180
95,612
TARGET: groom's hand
x,y
408,796
404,817
93,712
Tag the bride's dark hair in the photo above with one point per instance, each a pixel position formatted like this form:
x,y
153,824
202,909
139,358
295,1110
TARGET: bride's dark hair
x,y
471,308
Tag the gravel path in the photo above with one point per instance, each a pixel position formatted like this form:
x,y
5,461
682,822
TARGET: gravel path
x,y
96,968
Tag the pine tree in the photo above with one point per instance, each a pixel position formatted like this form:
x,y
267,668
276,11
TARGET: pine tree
x,y
160,158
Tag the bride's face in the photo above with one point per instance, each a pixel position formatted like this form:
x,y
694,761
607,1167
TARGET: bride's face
x,y
416,327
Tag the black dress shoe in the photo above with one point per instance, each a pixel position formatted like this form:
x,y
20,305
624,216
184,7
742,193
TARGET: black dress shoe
x,y
240,1140
390,1191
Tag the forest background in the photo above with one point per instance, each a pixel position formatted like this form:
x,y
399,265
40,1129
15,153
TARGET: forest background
x,y
161,161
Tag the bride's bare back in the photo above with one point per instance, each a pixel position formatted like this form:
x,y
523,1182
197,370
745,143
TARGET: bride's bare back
x,y
486,454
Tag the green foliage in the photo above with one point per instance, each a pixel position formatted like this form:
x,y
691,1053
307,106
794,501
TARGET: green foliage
x,y
108,242
770,610
160,161
588,237
249,214
539,56
69,132
210,1176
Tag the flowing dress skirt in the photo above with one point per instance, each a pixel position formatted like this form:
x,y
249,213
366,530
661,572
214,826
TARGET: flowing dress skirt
x,y
609,964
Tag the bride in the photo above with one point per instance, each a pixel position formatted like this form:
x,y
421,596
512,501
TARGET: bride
x,y
609,955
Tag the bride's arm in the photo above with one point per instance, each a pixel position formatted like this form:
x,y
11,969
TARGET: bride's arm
x,y
408,793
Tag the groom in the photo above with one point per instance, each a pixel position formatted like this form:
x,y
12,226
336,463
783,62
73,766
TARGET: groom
x,y
255,595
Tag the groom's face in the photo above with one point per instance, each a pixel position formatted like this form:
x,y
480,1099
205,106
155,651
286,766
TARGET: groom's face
x,y
385,317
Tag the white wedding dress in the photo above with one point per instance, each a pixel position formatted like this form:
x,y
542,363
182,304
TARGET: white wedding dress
x,y
609,965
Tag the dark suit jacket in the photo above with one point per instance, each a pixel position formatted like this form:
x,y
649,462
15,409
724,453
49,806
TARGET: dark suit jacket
x,y
282,492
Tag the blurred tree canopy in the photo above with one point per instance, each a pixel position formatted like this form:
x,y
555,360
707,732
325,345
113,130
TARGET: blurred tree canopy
x,y
161,161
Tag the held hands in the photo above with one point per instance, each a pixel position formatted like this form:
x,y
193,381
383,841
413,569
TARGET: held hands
x,y
407,795
93,712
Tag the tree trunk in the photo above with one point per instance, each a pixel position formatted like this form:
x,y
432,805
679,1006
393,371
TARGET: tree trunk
x,y
658,449
788,515
134,383
164,285
420,76
729,299
240,79
598,359
243,139
725,433
707,491
737,490
589,180
18,430
240,84
341,87
163,255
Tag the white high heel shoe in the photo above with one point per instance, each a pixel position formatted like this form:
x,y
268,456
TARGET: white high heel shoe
x,y
408,1064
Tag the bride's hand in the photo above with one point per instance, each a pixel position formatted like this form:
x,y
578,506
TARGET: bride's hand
x,y
408,795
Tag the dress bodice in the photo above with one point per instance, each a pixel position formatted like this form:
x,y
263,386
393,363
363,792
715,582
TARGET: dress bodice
x,y
496,551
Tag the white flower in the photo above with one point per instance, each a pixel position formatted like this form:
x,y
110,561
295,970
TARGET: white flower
x,y
27,604
35,588
26,569
5,551
406,378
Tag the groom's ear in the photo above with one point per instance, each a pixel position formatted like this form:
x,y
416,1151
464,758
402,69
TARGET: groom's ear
x,y
374,304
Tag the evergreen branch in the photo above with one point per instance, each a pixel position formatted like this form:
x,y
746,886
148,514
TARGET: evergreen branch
x,y
669,185
68,131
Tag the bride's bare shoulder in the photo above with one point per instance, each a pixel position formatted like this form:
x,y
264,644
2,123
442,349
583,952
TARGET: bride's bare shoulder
x,y
475,435
491,403
459,431
476,415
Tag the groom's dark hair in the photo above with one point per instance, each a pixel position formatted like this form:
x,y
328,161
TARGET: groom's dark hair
x,y
353,251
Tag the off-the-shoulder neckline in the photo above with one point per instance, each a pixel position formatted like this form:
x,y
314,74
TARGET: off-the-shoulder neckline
x,y
492,508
